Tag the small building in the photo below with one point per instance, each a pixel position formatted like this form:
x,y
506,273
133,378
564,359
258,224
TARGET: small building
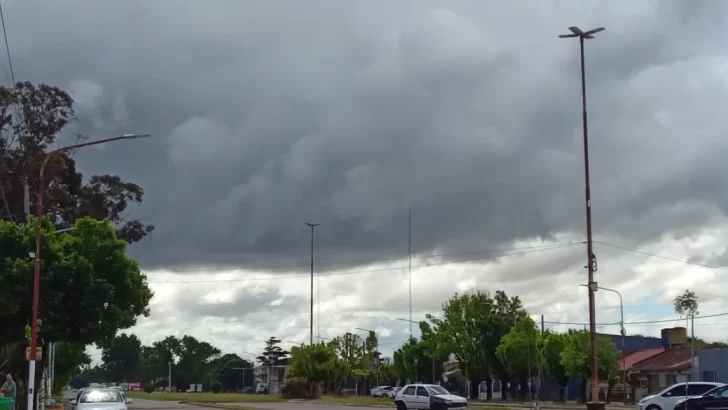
x,y
713,364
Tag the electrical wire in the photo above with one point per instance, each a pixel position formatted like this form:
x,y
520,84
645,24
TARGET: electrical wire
x,y
279,277
652,255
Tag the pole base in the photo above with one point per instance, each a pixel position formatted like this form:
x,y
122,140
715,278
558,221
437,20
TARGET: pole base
x,y
596,405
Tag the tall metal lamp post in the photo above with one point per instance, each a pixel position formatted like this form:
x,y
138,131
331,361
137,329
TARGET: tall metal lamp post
x,y
591,259
376,351
312,226
38,243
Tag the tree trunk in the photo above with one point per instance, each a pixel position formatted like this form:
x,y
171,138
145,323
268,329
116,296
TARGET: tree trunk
x,y
562,390
489,388
474,392
523,381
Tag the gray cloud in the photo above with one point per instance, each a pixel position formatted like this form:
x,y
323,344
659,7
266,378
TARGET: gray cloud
x,y
267,115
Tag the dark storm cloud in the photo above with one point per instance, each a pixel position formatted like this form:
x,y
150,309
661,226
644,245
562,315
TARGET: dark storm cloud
x,y
270,114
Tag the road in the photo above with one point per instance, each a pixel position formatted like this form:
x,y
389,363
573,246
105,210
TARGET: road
x,y
142,404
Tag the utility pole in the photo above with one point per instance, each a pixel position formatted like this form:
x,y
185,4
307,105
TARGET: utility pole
x,y
409,274
312,226
169,376
591,259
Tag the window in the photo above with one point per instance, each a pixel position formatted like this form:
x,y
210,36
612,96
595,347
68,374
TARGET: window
x,y
698,389
435,390
409,390
100,396
676,391
422,392
709,376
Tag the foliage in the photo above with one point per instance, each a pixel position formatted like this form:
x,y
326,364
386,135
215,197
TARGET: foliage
x,y
90,291
122,358
299,388
149,388
411,363
686,304
576,356
27,134
518,349
272,353
215,387
551,345
471,327
69,360
227,370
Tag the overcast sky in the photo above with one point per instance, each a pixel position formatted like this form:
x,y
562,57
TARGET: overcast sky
x,y
268,114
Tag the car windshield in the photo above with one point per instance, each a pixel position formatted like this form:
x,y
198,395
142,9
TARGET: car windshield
x,y
715,391
100,396
437,390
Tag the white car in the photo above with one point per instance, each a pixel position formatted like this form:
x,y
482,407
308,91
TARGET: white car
x,y
380,391
668,398
429,397
393,393
100,399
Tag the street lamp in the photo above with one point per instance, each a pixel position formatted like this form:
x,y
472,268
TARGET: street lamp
x,y
624,333
312,226
591,259
38,239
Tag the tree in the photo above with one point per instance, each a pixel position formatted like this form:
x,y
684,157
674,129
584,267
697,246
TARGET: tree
x,y
272,353
195,359
122,358
550,346
471,327
230,370
318,365
517,350
576,357
69,362
89,288
686,305
411,363
31,117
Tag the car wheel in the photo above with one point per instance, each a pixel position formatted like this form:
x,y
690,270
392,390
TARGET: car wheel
x,y
653,407
401,405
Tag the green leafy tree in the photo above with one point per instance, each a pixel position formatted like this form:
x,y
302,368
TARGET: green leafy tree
x,y
31,118
230,370
550,346
576,357
70,360
89,288
122,358
471,327
412,363
195,360
518,349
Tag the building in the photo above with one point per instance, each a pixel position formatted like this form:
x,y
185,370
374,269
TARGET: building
x,y
277,375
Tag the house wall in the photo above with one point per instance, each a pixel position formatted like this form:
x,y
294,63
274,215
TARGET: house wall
x,y
713,362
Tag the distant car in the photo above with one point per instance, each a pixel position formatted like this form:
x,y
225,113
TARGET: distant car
x,y
428,397
101,399
713,399
381,391
393,393
668,398
261,388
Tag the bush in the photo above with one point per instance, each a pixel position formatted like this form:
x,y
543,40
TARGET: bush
x,y
299,388
149,388
215,387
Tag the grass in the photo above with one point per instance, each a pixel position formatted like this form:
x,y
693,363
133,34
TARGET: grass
x,y
206,397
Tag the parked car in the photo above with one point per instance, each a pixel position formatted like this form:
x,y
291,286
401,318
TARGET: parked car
x,y
668,398
101,399
380,391
711,400
428,397
393,393
261,388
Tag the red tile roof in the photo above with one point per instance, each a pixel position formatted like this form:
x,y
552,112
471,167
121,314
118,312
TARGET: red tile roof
x,y
677,358
630,359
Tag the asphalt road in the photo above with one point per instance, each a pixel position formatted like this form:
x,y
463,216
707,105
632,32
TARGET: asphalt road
x,y
142,404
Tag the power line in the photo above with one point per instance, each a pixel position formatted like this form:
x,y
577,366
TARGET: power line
x,y
661,256
277,277
392,259
645,322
